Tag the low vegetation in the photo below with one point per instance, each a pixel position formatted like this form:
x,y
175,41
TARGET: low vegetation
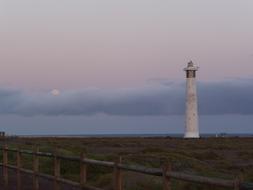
x,y
225,158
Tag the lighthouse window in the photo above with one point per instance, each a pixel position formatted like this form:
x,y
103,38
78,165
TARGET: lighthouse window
x,y
194,74
191,74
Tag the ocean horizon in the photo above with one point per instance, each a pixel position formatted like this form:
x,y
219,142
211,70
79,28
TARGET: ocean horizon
x,y
172,135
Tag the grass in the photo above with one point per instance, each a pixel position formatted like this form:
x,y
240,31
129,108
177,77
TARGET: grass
x,y
215,157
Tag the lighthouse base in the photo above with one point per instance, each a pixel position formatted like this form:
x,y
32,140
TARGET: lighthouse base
x,y
192,135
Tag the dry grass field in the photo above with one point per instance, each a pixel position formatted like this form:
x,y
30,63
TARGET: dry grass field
x,y
216,157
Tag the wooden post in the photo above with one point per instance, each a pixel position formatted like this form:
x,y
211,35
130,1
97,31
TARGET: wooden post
x,y
117,175
18,157
57,170
237,182
35,168
5,165
166,178
83,170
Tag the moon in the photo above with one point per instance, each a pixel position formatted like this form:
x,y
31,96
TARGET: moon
x,y
55,92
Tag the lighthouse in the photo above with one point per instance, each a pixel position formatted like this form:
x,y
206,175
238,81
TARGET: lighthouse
x,y
191,120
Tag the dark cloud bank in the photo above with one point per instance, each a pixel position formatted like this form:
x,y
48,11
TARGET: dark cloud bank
x,y
227,97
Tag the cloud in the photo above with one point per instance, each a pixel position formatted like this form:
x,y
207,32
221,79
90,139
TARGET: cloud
x,y
227,97
165,98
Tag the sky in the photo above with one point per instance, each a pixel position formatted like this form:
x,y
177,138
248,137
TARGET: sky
x,y
78,67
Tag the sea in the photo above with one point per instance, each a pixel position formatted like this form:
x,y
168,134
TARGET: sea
x,y
169,135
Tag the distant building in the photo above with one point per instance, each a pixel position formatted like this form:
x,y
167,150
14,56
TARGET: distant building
x,y
2,134
222,135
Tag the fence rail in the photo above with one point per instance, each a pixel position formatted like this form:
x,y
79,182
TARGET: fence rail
x,y
118,167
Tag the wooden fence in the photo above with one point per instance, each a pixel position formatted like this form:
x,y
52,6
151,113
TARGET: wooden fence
x,y
118,167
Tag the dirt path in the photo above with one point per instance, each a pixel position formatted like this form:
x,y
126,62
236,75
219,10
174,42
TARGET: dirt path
x,y
27,182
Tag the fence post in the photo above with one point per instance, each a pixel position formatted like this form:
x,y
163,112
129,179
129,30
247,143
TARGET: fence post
x,y
166,178
117,175
18,157
83,170
237,182
35,168
57,170
5,165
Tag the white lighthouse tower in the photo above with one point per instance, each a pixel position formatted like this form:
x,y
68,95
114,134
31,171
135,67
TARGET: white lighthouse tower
x,y
192,123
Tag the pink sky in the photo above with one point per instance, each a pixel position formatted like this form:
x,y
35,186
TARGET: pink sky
x,y
77,44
